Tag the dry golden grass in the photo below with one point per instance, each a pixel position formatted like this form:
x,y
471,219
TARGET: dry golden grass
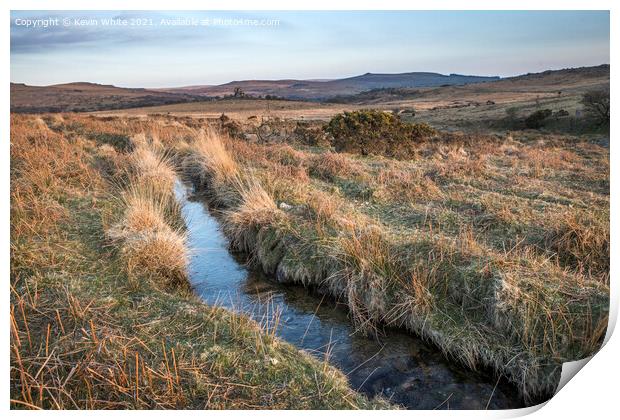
x,y
82,337
330,165
160,255
497,258
581,240
370,262
210,164
550,309
458,245
153,168
144,211
150,246
214,158
257,209
398,184
285,154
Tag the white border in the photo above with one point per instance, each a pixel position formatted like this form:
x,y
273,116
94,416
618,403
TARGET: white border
x,y
590,395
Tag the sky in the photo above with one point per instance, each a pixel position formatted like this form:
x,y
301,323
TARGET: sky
x,y
167,48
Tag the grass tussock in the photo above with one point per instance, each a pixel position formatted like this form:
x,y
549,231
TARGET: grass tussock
x,y
158,254
581,240
150,246
144,211
328,166
214,157
212,166
257,209
153,169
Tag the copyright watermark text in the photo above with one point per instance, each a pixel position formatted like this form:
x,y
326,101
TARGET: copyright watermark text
x,y
43,23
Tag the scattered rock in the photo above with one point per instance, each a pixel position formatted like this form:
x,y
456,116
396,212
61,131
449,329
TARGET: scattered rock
x,y
284,206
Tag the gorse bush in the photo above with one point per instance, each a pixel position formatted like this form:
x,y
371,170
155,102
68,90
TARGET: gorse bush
x,y
421,130
368,132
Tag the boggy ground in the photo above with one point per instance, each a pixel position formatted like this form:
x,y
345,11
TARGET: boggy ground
x,y
496,249
101,316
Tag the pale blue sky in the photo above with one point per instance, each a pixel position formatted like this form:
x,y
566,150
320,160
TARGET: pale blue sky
x,y
305,45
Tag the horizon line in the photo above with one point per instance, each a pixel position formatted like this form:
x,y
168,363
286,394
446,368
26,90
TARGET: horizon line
x,y
313,79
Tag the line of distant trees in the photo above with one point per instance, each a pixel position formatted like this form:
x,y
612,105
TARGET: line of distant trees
x,y
239,93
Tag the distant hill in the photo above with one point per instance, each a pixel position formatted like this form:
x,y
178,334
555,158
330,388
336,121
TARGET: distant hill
x,y
571,77
83,96
569,81
369,88
321,90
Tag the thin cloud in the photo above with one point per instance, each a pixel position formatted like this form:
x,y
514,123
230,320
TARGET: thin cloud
x,y
303,45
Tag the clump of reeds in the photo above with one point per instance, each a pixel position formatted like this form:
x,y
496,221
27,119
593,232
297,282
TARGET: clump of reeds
x,y
153,245
257,209
213,166
152,166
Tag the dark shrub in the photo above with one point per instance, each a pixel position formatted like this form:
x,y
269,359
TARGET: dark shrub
x,y
375,132
596,103
537,119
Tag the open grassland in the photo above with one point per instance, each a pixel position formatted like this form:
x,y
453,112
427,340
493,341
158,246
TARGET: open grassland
x,y
477,107
496,249
475,112
239,109
477,115
101,315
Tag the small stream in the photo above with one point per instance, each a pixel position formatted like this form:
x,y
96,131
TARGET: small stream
x,y
403,368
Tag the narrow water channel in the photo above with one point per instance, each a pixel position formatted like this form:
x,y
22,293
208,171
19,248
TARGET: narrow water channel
x,y
403,368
